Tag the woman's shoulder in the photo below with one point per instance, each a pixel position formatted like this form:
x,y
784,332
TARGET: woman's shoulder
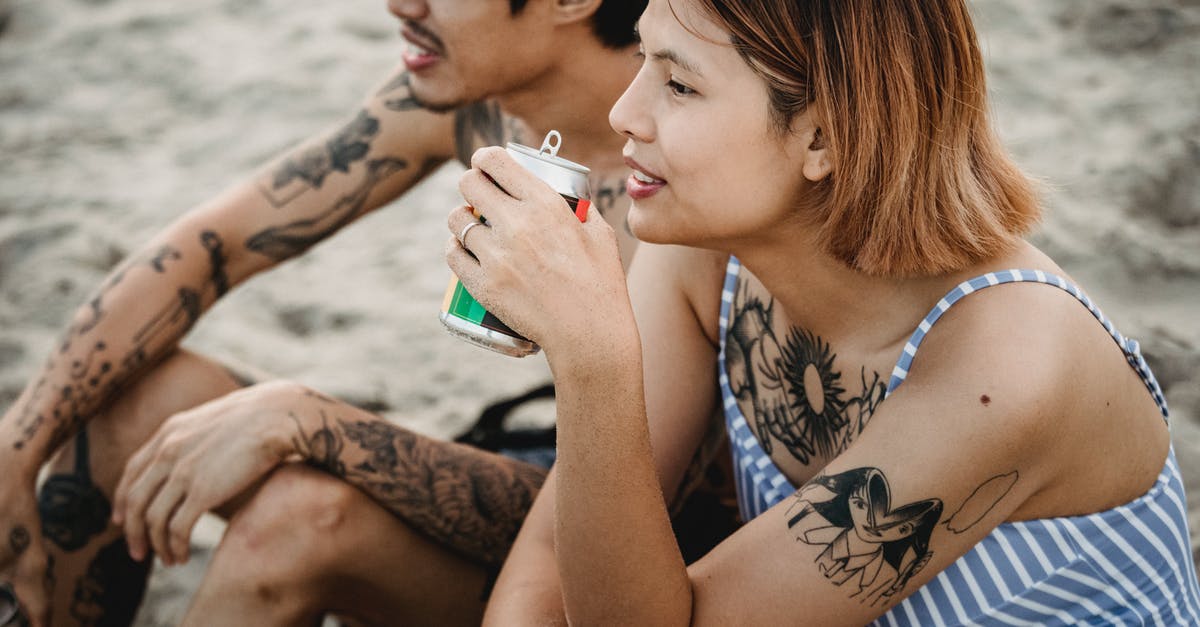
x,y
694,275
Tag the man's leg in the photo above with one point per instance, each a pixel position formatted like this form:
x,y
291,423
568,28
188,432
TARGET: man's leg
x,y
95,581
307,544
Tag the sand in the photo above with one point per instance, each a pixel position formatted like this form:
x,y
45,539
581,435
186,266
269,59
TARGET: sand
x,y
118,115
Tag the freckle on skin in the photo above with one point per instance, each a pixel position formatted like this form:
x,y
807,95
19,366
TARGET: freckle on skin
x,y
985,399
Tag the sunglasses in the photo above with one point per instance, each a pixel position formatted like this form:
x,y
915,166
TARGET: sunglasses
x,y
10,609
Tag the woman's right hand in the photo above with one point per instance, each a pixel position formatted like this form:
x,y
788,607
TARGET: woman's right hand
x,y
23,557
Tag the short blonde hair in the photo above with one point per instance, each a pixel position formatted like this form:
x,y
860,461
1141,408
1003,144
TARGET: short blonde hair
x,y
920,184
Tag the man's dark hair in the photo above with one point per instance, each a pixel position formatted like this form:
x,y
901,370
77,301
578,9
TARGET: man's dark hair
x,y
613,22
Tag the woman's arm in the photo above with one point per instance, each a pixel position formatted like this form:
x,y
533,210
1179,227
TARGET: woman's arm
x,y
680,353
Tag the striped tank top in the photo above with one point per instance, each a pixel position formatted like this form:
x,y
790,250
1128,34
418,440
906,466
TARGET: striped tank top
x,y
1130,565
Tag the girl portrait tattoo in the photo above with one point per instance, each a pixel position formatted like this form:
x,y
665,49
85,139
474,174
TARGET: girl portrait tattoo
x,y
869,546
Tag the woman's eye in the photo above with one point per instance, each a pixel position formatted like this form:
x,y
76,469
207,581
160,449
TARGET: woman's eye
x,y
679,89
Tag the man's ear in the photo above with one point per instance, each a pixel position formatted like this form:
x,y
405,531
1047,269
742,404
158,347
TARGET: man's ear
x,y
816,157
569,11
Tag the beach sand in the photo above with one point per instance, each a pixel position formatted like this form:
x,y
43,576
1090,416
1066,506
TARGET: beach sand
x,y
118,115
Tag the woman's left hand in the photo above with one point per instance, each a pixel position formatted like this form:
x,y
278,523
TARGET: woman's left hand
x,y
555,280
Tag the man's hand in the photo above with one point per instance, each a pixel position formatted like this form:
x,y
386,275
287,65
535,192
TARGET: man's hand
x,y
23,561
198,460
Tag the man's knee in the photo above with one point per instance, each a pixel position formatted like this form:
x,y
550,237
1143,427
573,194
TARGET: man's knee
x,y
295,517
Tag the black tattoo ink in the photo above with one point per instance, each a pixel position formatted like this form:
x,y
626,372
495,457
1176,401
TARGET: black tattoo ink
x,y
322,449
111,591
606,196
216,259
468,500
72,507
404,103
981,502
403,79
475,126
293,238
18,540
868,544
308,169
376,438
793,388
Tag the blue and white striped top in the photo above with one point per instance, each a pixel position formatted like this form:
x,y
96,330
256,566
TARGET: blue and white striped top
x,y
1130,565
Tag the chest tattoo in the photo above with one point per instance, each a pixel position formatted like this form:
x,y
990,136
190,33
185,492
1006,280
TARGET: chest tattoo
x,y
793,385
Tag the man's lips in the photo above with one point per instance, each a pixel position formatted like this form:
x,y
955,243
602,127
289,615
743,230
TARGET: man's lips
x,y
427,42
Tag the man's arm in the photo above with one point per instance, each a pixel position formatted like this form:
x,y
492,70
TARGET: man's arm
x,y
142,310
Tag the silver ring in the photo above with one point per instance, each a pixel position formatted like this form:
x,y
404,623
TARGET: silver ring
x,y
462,236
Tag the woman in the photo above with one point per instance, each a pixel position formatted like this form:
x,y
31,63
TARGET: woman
x,y
828,198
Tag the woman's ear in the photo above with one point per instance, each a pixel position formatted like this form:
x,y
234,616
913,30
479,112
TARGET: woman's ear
x,y
568,11
816,157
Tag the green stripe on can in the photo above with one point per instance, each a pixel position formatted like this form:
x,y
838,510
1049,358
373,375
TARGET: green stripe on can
x,y
464,306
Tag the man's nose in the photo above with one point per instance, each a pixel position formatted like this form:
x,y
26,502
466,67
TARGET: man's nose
x,y
408,9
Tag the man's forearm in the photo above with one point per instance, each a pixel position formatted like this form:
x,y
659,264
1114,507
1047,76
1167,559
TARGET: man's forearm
x,y
470,501
137,316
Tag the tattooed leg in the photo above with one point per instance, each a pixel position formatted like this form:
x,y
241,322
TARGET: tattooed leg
x,y
97,582
307,544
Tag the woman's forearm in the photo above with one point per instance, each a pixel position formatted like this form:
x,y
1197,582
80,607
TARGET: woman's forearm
x,y
617,555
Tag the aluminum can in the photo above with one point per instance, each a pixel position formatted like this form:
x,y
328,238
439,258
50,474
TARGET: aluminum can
x,y
461,313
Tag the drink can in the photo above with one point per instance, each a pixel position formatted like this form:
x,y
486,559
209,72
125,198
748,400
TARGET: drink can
x,y
461,313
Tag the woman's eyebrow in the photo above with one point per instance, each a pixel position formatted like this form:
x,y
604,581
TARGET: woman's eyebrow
x,y
673,57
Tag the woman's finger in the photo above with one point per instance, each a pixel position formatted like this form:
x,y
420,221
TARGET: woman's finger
x,y
488,199
504,172
158,515
470,232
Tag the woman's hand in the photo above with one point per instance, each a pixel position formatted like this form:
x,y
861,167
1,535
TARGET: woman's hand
x,y
198,460
553,279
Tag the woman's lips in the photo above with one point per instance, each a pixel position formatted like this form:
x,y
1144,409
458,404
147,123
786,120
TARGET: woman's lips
x,y
641,183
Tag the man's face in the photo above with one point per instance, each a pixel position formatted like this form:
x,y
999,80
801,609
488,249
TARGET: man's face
x,y
460,51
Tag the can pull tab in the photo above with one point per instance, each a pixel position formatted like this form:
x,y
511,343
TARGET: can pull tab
x,y
551,144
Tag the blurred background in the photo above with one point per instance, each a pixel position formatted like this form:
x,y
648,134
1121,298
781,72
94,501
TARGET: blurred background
x,y
117,115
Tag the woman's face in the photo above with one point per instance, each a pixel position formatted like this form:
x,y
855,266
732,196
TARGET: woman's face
x,y
709,166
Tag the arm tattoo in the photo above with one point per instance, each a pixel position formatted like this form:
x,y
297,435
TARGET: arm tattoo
x,y
981,502
793,387
307,169
75,387
213,244
293,238
470,501
870,546
402,103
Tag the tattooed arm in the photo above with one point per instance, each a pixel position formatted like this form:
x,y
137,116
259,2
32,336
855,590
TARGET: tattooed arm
x,y
142,310
470,501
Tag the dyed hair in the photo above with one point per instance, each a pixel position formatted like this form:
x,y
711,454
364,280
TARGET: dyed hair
x,y
613,22
920,183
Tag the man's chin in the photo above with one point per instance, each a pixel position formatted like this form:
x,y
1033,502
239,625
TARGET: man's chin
x,y
432,102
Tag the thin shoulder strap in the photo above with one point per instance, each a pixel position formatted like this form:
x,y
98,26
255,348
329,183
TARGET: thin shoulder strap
x,y
1128,346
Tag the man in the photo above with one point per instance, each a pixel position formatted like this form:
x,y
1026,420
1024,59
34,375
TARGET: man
x,y
390,527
